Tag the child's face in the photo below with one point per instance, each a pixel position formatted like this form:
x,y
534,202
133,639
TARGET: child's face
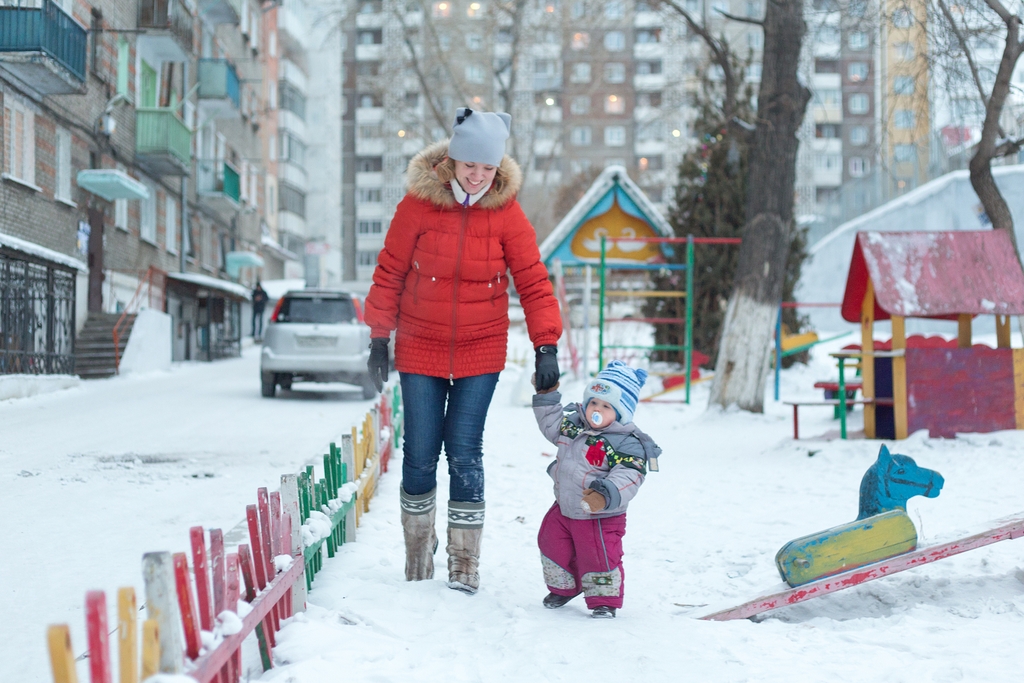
x,y
599,414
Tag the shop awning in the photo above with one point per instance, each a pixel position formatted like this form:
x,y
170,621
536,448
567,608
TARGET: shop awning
x,y
112,184
199,281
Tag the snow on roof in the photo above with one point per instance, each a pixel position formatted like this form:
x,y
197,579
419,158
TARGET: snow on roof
x,y
935,274
611,176
41,252
201,280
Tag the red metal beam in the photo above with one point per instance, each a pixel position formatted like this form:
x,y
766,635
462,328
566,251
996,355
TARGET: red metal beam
x,y
1006,529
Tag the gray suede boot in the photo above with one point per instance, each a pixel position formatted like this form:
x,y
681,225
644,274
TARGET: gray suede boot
x,y
420,537
465,529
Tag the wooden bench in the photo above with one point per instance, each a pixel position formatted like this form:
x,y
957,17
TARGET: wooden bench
x,y
830,402
832,392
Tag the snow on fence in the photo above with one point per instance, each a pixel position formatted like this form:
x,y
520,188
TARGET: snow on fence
x,y
198,617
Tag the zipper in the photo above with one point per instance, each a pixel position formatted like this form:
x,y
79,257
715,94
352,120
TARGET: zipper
x,y
416,287
455,295
494,288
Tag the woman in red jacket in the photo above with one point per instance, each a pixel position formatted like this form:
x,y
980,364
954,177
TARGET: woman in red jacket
x,y
441,284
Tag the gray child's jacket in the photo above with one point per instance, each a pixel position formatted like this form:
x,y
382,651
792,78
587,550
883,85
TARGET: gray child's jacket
x,y
612,461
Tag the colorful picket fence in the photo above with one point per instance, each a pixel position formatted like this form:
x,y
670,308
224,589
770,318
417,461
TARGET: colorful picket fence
x,y
194,625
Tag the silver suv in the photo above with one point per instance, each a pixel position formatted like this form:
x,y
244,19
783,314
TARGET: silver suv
x,y
316,335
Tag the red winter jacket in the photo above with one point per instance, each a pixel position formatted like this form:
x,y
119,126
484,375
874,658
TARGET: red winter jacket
x,y
441,280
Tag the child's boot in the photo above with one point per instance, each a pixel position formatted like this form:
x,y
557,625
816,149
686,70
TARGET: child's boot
x,y
603,612
465,531
420,536
554,600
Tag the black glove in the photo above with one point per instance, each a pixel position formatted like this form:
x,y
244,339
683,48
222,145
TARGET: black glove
x,y
378,362
547,367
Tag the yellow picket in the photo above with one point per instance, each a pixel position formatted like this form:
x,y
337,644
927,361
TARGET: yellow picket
x,y
150,648
127,645
61,658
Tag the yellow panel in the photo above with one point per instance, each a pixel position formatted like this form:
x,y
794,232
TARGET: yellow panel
x,y
791,341
867,361
963,331
1003,331
845,547
899,377
586,243
1018,385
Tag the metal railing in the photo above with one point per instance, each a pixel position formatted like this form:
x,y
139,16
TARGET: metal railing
x,y
161,131
37,317
155,284
218,79
169,15
44,29
218,176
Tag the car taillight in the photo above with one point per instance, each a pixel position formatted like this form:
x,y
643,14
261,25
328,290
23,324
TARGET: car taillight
x,y
277,309
359,309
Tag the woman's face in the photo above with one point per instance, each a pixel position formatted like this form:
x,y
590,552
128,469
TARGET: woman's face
x,y
474,177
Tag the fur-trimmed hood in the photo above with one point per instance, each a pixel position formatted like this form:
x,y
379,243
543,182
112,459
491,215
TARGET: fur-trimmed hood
x,y
423,182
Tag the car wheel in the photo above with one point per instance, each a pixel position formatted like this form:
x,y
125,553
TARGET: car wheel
x,y
267,384
369,391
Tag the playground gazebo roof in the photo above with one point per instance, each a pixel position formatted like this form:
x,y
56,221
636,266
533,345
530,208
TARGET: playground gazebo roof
x,y
935,275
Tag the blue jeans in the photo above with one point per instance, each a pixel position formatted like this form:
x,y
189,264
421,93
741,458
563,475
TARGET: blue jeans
x,y
436,413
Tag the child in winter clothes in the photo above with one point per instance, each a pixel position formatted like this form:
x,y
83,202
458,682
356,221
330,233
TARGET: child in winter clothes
x,y
601,463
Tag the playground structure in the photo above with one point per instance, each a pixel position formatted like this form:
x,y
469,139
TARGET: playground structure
x,y
881,542
938,275
289,530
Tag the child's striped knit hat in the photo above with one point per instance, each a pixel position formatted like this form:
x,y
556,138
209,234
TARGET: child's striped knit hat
x,y
619,385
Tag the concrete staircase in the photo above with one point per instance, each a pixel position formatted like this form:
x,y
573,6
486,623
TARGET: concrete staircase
x,y
94,347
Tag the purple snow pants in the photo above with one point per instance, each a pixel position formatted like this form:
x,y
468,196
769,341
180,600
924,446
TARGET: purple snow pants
x,y
583,555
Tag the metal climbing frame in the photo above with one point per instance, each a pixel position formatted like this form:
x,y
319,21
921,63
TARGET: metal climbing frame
x,y
686,321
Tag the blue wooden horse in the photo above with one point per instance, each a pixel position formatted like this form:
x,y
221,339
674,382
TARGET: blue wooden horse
x,y
882,529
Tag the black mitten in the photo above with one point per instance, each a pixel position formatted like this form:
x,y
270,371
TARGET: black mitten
x,y
547,367
378,362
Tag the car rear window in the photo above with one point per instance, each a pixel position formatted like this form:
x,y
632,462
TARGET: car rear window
x,y
325,310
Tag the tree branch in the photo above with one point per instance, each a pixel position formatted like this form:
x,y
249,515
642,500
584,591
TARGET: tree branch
x,y
742,20
999,9
962,40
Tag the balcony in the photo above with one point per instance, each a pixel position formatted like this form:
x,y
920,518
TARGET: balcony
x,y
217,184
292,28
168,36
163,143
219,89
221,11
44,48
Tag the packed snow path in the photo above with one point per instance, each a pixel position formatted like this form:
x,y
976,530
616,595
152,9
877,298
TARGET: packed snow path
x,y
94,477
733,488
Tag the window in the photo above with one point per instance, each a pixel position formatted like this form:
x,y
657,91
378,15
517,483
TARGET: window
x,y
444,41
858,135
858,103
648,99
474,41
291,199
902,18
369,165
655,162
614,72
370,227
368,69
614,136
580,40
580,104
579,9
904,153
754,72
171,224
614,41
272,43
545,133
828,162
504,35
369,100
858,40
147,208
826,130
475,10
580,72
475,73
581,136
904,119
369,195
548,163
19,141
615,9
654,130
62,181
370,37
614,104
578,166
904,51
755,40
857,71
370,130
412,99
826,66
828,97
442,10
858,167
293,149
124,53
368,257
292,100
649,35
648,67
828,35
903,85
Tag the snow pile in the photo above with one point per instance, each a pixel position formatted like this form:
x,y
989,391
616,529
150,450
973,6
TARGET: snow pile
x,y
317,527
282,562
24,386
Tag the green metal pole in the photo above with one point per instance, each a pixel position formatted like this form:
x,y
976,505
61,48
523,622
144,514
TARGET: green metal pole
x,y
689,313
842,398
600,314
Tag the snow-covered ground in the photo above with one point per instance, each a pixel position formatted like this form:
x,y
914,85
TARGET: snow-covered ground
x,y
95,476
703,532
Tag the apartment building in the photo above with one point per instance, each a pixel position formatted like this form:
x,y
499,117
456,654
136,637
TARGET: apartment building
x,y
131,161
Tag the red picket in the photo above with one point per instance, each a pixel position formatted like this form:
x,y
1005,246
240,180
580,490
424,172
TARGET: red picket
x,y
185,603
99,637
250,592
275,525
232,594
217,565
263,502
202,577
257,548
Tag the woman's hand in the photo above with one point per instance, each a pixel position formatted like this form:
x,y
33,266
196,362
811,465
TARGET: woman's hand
x,y
377,365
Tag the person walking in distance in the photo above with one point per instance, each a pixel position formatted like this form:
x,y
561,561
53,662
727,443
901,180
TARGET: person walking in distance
x,y
441,284
259,302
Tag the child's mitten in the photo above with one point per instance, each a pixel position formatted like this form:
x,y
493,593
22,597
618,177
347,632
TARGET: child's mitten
x,y
592,501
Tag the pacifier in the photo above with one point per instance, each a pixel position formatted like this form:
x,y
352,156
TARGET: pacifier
x,y
596,419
